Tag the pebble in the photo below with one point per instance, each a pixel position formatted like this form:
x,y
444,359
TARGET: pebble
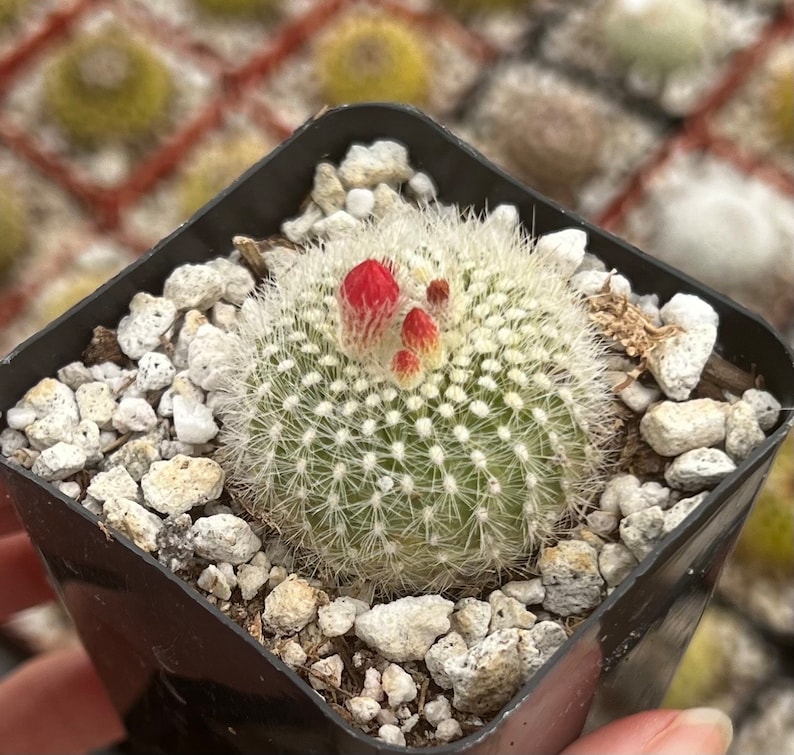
x,y
136,456
641,531
391,734
620,491
208,357
134,415
508,613
592,282
193,287
155,371
150,318
548,637
50,396
175,542
133,521
12,440
236,281
404,629
49,430
386,200
251,578
177,485
298,229
95,402
615,562
488,675
471,619
372,684
292,654
448,730
529,591
214,581
191,323
437,710
677,513
337,223
440,654
698,469
671,428
74,375
87,436
398,685
688,311
291,605
362,709
19,417
70,489
765,405
384,161
224,537
570,575
638,396
360,203
59,462
337,618
422,187
194,423
743,434
565,249
115,483
276,576
328,192
602,522
181,386
327,673
223,316
678,361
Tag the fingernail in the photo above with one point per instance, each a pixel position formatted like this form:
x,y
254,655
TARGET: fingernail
x,y
698,731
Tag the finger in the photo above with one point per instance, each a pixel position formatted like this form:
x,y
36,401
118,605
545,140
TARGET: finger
x,y
55,703
23,582
700,731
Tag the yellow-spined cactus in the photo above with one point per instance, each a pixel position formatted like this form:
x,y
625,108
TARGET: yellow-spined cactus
x,y
13,226
108,87
240,9
65,293
9,10
766,543
372,57
779,102
216,167
467,7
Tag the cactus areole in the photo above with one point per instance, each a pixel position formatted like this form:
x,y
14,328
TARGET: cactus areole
x,y
420,403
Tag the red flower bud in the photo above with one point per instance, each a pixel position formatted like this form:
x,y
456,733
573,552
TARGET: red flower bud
x,y
406,368
437,292
368,297
419,333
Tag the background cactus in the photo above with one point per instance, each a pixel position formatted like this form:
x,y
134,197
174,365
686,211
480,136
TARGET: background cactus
x,y
9,9
372,57
13,226
216,166
656,37
779,101
767,541
106,86
238,8
424,419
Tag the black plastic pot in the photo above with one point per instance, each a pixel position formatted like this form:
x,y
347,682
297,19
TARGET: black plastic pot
x,y
188,680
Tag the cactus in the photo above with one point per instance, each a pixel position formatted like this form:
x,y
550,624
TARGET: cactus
x,y
779,102
467,7
9,10
420,403
66,292
13,226
656,37
241,9
766,544
107,87
216,167
371,57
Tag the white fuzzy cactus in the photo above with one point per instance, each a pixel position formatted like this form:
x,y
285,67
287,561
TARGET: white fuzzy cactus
x,y
419,402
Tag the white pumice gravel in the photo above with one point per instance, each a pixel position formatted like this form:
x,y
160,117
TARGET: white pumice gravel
x,y
143,438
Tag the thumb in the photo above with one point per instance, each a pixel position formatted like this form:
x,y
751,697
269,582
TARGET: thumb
x,y
698,731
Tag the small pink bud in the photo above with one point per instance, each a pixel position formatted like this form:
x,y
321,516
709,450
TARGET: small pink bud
x,y
419,333
368,297
407,368
437,292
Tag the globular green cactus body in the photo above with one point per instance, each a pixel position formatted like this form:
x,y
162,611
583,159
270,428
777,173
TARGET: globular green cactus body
x,y
657,37
9,10
13,226
372,57
239,9
107,87
419,403
779,102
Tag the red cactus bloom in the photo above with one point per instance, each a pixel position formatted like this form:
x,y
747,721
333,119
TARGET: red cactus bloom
x,y
407,368
420,334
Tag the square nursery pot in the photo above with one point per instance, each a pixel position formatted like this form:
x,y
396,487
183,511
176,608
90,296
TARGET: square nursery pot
x,y
186,679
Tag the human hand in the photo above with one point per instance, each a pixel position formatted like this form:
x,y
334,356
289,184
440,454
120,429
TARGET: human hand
x,y
53,703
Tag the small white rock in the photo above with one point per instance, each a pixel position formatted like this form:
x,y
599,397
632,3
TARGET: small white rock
x,y
391,734
698,469
134,415
51,429
422,187
508,613
671,428
565,249
641,531
193,287
115,483
236,281
224,537
136,456
373,686
155,371
150,318
177,485
602,523
327,673
382,162
59,462
530,592
386,200
12,440
292,654
327,191
681,510
193,320
743,434
440,654
214,581
448,730
338,222
70,489
194,423
337,618
133,521
678,361
619,492
765,405
223,316
50,396
209,355
290,606
615,562
437,710
19,417
299,228
95,402
688,311
362,709
360,203
398,685
251,578
471,619
592,282
505,215
74,375
638,397
570,575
